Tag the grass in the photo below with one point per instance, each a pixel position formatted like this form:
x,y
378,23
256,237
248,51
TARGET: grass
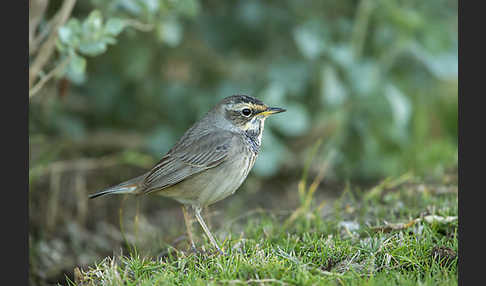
x,y
401,232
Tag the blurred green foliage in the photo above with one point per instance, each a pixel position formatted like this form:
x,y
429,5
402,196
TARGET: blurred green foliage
x,y
376,79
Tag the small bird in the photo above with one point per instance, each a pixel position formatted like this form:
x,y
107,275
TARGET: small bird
x,y
209,162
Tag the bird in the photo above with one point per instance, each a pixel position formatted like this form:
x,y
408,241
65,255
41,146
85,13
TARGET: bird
x,y
209,162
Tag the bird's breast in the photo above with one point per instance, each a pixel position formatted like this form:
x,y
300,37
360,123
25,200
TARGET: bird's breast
x,y
225,179
215,184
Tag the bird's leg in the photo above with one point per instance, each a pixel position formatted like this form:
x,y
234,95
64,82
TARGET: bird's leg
x,y
188,222
206,229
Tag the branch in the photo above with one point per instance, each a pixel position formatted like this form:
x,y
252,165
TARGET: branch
x,y
47,77
36,11
47,48
35,42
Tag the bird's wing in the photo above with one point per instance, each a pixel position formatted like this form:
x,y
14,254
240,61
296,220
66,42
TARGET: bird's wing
x,y
187,158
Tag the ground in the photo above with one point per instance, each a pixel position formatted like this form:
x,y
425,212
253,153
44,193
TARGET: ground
x,y
402,231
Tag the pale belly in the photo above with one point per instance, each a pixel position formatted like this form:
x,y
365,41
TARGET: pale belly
x,y
211,185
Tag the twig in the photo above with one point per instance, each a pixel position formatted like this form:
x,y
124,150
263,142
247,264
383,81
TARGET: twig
x,y
34,43
47,77
37,9
428,219
42,35
139,25
47,48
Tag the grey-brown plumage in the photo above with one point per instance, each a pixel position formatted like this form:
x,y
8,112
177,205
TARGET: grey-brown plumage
x,y
210,161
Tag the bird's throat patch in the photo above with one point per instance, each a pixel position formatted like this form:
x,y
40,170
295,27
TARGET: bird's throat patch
x,y
254,132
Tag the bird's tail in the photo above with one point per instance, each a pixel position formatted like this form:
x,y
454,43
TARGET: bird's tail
x,y
126,187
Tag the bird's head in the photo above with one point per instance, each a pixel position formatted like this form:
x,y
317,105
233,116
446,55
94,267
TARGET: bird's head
x,y
247,113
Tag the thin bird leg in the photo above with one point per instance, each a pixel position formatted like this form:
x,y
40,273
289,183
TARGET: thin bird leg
x,y
206,229
188,222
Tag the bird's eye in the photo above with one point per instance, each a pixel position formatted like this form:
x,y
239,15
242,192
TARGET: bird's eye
x,y
246,112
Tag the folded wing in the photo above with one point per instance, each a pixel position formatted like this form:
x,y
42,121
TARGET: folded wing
x,y
189,157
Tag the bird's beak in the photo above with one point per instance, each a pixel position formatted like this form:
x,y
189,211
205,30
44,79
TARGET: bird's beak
x,y
272,110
